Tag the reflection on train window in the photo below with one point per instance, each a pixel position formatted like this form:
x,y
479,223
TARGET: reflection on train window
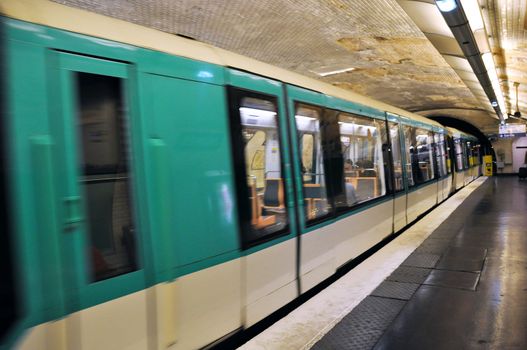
x,y
421,156
470,154
409,137
105,175
439,141
447,156
265,180
361,141
308,125
395,140
459,154
465,154
475,154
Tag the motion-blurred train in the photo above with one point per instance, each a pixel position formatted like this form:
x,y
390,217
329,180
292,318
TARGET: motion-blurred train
x,y
158,192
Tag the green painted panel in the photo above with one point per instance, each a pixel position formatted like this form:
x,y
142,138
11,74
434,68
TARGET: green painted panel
x,y
92,65
253,82
162,252
28,107
416,123
295,93
50,261
198,164
352,107
392,117
180,67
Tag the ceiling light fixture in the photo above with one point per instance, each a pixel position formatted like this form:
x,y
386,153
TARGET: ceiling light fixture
x,y
446,5
338,71
483,66
517,114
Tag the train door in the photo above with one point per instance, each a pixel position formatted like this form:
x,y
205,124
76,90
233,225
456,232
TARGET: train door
x,y
399,175
98,184
451,162
265,198
190,200
310,158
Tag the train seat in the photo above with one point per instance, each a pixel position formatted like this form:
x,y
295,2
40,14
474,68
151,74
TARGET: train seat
x,y
273,197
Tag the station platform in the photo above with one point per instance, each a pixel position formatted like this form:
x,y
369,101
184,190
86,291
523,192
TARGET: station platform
x,y
457,279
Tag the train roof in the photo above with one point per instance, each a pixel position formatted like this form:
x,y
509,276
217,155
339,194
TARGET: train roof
x,y
80,21
460,134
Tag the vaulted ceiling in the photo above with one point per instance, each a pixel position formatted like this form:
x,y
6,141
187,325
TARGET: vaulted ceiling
x,y
379,49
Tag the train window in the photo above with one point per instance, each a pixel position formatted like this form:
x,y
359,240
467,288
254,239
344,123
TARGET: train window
x,y
422,161
361,140
469,154
308,125
395,139
447,156
475,150
440,154
262,202
419,155
409,137
104,157
458,148
465,154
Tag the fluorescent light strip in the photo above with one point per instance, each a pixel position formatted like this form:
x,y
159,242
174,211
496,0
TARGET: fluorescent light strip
x,y
446,5
302,117
488,60
325,74
253,112
473,13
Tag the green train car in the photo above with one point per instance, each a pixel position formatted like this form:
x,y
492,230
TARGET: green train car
x,y
161,193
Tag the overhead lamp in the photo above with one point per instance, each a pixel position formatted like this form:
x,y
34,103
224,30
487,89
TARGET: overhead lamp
x,y
303,117
446,5
483,66
253,112
333,72
473,13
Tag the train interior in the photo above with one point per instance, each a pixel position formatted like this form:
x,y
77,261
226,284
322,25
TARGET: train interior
x,y
308,120
361,145
261,138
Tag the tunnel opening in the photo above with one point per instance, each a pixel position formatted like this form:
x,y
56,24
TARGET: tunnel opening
x,y
468,128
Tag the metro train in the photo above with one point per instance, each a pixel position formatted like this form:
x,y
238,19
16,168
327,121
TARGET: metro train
x,y
161,193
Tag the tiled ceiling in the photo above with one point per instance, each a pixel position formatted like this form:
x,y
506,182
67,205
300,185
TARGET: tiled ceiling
x,y
393,60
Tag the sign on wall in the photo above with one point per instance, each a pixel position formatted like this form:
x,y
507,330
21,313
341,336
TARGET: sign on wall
x,y
512,130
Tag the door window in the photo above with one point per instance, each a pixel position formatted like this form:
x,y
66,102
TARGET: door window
x,y
395,140
104,168
361,141
308,125
262,203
